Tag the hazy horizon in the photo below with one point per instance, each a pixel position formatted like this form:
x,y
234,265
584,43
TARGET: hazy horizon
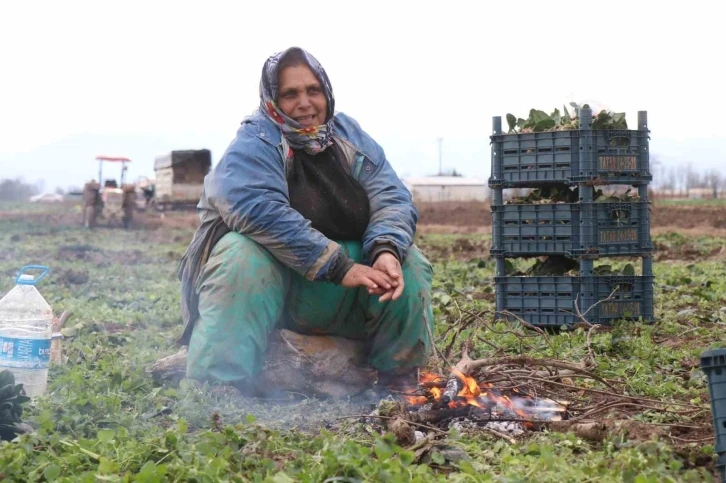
x,y
140,79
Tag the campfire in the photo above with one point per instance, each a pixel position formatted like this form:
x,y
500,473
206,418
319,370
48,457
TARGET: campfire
x,y
460,391
510,396
507,396
459,400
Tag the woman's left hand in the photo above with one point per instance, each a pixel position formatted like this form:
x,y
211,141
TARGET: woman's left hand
x,y
388,263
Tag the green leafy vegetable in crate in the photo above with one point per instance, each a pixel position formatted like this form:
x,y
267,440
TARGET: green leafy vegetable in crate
x,y
546,195
560,265
565,194
555,265
540,121
608,271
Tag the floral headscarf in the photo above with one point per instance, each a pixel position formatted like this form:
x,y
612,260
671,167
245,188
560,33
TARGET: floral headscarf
x,y
312,139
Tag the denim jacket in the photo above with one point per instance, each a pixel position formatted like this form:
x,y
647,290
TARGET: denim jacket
x,y
247,192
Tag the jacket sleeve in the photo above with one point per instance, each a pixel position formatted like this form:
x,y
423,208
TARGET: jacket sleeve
x,y
393,214
249,191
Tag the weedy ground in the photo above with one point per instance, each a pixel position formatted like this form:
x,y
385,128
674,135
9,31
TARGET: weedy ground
x,y
103,418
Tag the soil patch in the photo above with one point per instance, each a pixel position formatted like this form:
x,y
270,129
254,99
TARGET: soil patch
x,y
74,277
687,252
101,258
455,213
689,216
476,216
453,230
76,252
460,249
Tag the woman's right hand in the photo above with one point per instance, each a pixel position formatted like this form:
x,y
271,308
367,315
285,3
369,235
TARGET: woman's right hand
x,y
364,276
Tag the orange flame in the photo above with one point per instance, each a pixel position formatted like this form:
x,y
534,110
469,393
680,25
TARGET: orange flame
x,y
471,394
429,377
417,400
471,388
434,393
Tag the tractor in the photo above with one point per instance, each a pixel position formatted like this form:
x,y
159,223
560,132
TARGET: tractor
x,y
111,201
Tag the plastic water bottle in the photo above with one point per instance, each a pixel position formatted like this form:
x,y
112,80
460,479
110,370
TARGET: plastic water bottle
x,y
25,332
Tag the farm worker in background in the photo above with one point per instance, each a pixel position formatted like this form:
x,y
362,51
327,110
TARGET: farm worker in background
x,y
304,226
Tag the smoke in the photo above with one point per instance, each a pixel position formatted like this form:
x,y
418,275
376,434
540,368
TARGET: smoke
x,y
198,402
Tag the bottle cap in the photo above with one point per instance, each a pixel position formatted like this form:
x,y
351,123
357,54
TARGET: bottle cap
x,y
25,279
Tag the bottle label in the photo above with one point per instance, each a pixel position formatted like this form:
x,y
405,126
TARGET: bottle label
x,y
24,353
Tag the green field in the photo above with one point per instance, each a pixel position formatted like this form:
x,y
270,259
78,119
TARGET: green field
x,y
104,419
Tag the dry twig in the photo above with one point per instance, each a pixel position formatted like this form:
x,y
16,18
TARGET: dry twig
x,y
590,359
468,366
461,327
433,344
501,435
490,344
541,332
581,315
632,398
699,440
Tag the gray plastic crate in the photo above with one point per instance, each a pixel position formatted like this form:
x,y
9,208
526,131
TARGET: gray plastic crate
x,y
713,363
550,301
588,230
534,229
576,156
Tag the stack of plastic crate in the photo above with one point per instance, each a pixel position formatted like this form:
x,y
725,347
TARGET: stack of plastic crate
x,y
584,231
713,363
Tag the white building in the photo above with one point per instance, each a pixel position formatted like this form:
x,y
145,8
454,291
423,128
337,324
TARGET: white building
x,y
447,188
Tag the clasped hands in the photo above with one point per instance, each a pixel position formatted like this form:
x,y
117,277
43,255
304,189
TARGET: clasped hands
x,y
384,278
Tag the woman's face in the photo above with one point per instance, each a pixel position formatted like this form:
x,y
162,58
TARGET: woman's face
x,y
301,96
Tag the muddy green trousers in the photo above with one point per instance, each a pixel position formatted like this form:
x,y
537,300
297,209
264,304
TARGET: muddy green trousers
x,y
245,293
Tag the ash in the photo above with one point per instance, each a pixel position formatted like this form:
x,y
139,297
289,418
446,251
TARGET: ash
x,y
425,407
512,428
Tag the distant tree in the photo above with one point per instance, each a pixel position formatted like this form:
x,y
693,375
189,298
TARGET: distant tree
x,y
659,172
715,181
59,191
703,180
691,178
668,180
673,181
16,190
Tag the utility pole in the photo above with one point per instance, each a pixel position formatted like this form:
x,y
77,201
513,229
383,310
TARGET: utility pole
x,y
440,140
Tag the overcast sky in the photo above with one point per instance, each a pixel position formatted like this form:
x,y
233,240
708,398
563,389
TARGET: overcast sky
x,y
137,78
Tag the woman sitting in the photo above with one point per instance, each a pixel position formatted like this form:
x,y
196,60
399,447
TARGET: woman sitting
x,y
304,226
